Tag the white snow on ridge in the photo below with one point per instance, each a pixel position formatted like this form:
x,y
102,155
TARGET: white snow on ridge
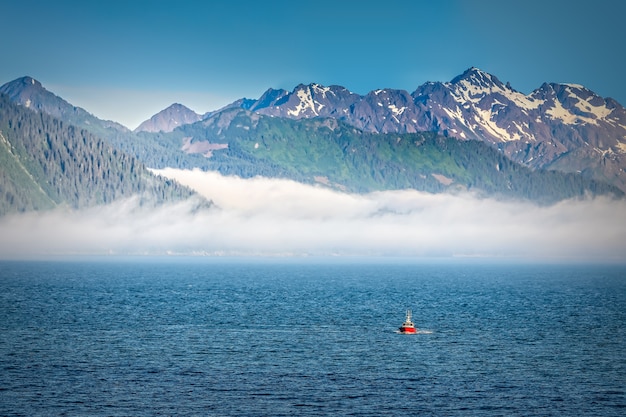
x,y
524,130
600,112
484,119
561,113
395,110
467,92
597,112
473,93
577,86
306,102
457,115
523,101
319,89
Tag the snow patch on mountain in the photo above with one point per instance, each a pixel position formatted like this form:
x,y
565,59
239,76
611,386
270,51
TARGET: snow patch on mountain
x,y
484,119
467,92
599,112
320,89
456,114
523,101
395,110
558,112
306,102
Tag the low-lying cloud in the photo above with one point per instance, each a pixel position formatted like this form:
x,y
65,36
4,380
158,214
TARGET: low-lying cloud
x,y
263,216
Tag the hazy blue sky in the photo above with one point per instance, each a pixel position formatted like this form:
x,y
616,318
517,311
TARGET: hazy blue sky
x,y
126,60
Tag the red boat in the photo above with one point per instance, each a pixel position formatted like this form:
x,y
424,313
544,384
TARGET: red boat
x,y
407,327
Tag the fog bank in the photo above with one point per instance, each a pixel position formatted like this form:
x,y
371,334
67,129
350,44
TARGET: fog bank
x,y
283,218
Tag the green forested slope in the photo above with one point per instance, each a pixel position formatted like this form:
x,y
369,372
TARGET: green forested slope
x,y
45,162
330,151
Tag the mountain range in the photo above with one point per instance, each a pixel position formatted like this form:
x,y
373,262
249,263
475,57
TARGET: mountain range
x,y
564,127
330,152
474,132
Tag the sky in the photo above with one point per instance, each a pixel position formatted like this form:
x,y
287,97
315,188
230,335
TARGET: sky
x,y
127,60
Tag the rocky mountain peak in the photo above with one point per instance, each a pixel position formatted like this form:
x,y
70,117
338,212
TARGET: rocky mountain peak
x,y
475,82
24,82
27,91
169,119
270,98
477,77
305,101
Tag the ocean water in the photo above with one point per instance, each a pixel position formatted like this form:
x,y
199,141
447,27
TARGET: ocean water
x,y
281,338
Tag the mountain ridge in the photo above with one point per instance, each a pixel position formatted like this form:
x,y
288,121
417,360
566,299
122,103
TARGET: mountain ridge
x,y
537,129
335,154
30,93
556,126
444,108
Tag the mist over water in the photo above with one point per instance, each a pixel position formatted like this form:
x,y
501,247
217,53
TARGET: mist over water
x,y
273,217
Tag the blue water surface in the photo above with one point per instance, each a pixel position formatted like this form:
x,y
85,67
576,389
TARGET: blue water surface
x,y
273,338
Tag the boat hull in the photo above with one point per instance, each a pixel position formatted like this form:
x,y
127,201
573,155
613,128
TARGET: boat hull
x,y
407,330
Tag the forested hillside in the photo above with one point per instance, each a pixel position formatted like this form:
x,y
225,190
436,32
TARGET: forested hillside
x,y
44,163
246,144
